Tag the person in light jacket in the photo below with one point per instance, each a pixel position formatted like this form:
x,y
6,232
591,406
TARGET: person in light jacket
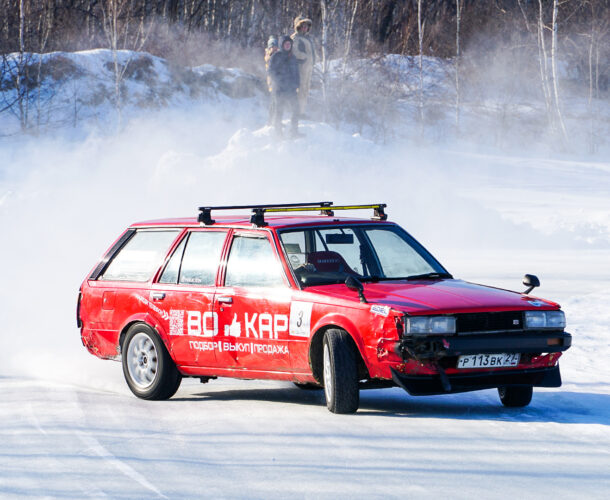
x,y
303,50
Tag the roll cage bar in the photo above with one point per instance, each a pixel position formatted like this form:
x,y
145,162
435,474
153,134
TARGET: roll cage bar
x,y
258,211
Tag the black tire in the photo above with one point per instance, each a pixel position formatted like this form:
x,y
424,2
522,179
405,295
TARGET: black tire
x,y
340,372
515,396
307,386
148,368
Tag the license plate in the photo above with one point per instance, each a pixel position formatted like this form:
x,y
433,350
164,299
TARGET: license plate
x,y
488,360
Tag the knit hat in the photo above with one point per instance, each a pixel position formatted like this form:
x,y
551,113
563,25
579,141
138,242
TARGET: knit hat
x,y
283,40
272,42
300,20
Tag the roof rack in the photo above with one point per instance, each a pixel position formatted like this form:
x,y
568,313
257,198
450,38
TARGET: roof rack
x,y
258,211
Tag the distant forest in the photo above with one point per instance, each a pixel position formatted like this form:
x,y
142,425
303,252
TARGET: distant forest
x,y
183,28
505,50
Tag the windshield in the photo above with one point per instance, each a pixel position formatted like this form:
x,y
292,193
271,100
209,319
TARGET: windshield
x,y
325,255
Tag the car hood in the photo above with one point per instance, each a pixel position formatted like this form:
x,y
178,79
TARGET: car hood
x,y
438,296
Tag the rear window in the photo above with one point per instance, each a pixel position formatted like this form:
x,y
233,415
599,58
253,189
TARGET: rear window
x,y
140,257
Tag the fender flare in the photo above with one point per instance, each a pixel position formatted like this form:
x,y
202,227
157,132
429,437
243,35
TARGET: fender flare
x,y
149,320
335,320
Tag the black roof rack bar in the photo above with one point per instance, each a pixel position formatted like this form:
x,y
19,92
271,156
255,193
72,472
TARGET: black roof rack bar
x,y
258,211
205,216
273,205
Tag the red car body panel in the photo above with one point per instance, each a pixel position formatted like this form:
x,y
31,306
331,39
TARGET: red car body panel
x,y
254,332
440,297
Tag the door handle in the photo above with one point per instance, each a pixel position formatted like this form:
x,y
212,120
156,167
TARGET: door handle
x,y
158,295
225,300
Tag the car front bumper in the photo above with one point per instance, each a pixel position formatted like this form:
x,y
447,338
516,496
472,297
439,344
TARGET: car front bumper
x,y
425,385
437,351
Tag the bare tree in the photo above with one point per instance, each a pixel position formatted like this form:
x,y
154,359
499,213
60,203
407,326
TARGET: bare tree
x,y
557,104
44,24
20,70
597,36
325,17
458,18
420,37
118,18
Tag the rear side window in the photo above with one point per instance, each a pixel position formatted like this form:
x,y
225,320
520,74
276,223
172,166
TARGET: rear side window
x,y
140,257
252,263
172,270
198,263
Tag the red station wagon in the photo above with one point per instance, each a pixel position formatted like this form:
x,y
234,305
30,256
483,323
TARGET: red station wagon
x,y
338,303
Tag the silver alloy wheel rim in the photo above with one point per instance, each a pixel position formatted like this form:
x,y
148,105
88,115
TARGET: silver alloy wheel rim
x,y
328,379
142,360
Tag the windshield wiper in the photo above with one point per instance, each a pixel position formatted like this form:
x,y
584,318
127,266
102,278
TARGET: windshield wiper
x,y
434,275
373,278
376,279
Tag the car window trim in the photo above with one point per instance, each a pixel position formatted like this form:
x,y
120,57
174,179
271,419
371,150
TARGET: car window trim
x,y
258,233
185,236
182,237
415,244
152,278
125,238
114,250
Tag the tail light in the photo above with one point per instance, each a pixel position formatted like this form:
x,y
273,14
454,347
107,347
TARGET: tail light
x,y
400,325
79,322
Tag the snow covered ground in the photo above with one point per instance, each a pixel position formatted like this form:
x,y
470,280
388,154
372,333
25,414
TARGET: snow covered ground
x,y
70,428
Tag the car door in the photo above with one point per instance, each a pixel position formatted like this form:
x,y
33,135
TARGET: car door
x,y
253,306
185,291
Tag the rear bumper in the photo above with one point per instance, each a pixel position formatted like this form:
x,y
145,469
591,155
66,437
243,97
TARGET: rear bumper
x,y
418,385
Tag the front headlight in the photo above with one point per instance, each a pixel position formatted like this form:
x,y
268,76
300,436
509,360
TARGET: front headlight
x,y
430,325
535,320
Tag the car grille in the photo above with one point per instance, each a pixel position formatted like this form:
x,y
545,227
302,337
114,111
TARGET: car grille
x,y
489,322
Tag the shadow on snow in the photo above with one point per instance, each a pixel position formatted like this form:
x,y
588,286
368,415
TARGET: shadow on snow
x,y
547,406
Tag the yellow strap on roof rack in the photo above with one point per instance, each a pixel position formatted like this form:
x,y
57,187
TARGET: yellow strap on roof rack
x,y
323,209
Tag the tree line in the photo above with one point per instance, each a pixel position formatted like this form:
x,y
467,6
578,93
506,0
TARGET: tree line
x,y
368,26
469,33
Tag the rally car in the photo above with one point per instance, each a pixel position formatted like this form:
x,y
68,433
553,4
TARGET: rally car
x,y
322,301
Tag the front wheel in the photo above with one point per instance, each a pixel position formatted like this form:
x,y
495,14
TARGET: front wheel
x,y
516,396
147,366
340,373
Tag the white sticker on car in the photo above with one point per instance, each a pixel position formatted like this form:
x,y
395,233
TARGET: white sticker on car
x,y
148,303
300,319
380,310
198,324
536,303
176,322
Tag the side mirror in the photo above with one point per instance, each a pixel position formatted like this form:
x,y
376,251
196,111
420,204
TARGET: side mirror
x,y
531,282
355,285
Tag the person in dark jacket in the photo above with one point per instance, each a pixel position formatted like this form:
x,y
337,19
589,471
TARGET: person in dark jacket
x,y
284,74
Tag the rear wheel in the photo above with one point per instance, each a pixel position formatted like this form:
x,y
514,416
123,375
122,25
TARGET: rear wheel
x,y
340,370
516,396
147,366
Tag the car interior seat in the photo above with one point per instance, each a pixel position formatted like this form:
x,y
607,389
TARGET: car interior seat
x,y
329,261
